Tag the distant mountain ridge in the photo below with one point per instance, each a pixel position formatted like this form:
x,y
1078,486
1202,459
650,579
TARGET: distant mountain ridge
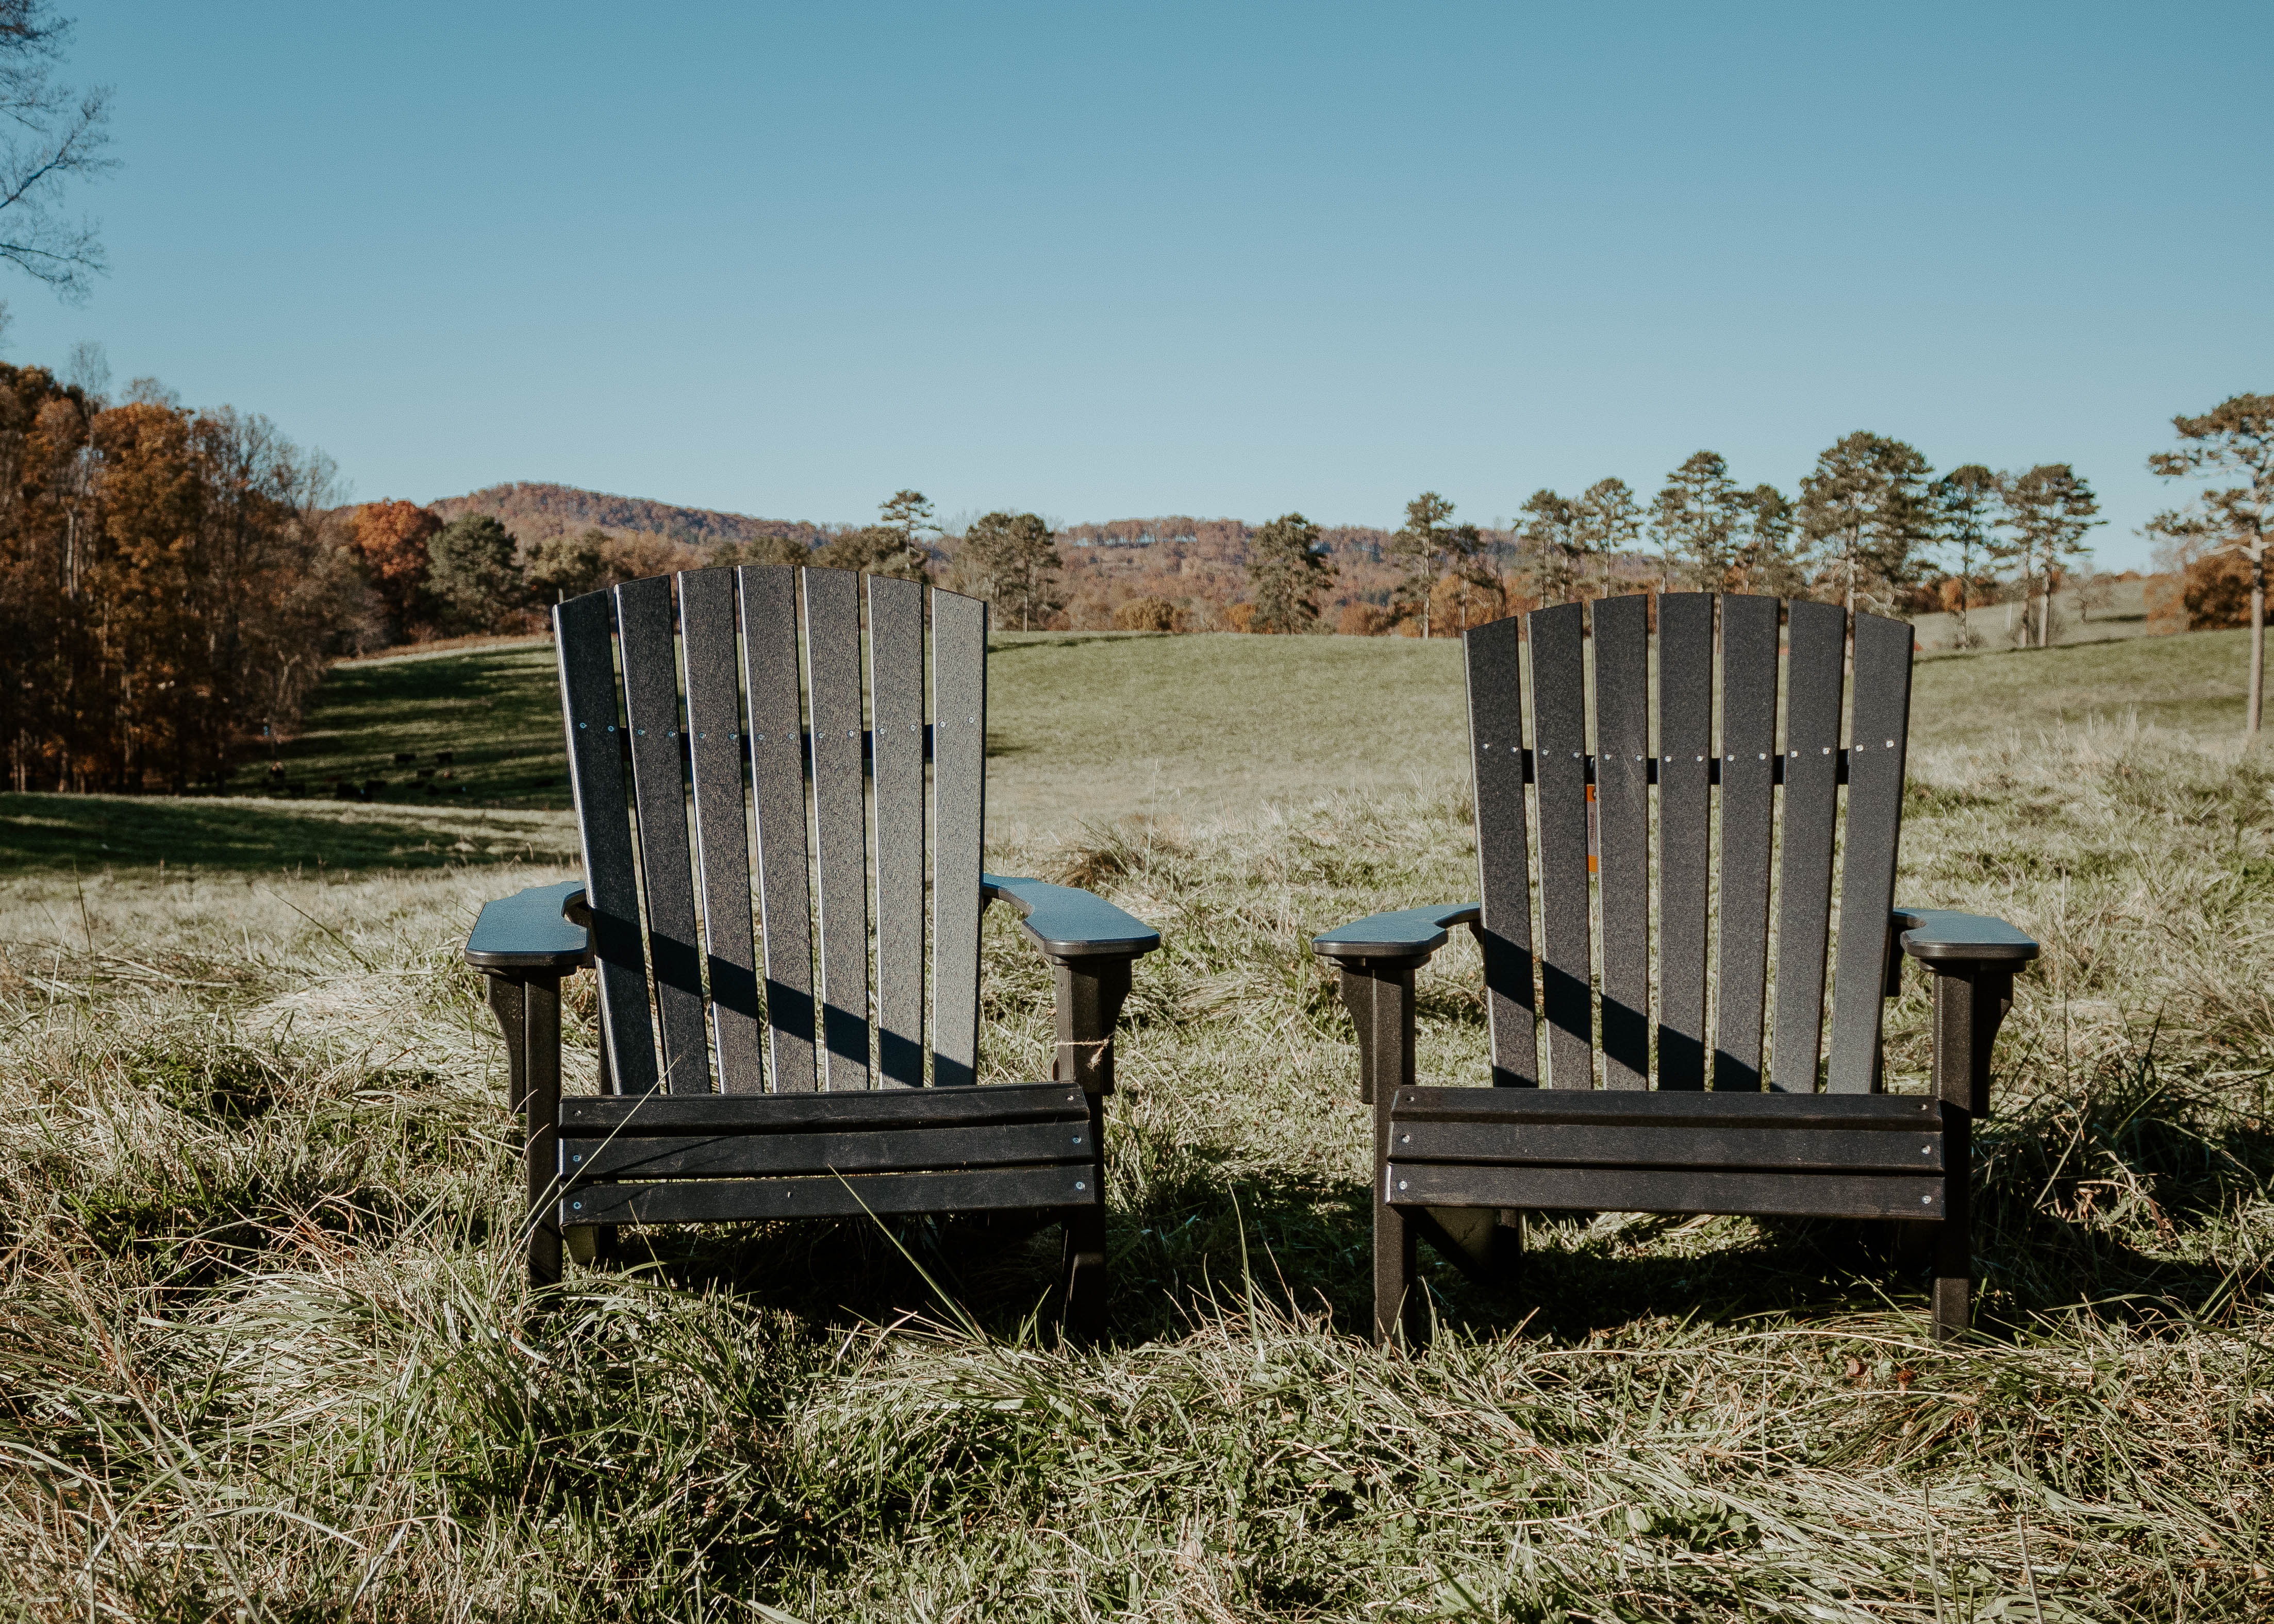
x,y
535,510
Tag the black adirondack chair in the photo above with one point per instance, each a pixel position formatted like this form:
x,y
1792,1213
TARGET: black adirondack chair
x,y
739,1078
1807,1133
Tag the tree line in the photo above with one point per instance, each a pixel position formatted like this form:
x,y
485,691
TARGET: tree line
x,y
171,583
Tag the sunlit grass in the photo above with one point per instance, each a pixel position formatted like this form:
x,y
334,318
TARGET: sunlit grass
x,y
266,1351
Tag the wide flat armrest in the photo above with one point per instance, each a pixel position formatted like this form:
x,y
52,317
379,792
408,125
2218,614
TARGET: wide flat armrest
x,y
1937,936
531,930
1410,932
1068,923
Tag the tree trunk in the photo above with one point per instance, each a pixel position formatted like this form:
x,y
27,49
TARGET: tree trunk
x,y
2257,638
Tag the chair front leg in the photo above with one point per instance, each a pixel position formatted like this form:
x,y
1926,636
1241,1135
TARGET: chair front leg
x,y
1379,994
1970,1003
1089,994
528,1010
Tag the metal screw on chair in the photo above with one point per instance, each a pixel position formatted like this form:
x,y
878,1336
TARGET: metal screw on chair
x,y
1401,1183
1927,1201
1079,1185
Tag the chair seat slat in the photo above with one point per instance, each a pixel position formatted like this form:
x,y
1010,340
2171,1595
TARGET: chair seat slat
x,y
1662,1189
1901,1114
598,1115
1628,1145
868,1150
730,1201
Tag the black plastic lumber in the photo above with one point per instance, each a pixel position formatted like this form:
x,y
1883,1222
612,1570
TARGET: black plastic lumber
x,y
1937,936
1069,923
531,930
598,1115
729,1200
1666,1190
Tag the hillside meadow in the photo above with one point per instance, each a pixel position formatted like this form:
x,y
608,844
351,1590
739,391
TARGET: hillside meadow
x,y
266,1352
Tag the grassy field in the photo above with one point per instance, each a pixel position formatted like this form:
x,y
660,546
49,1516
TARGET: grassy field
x,y
266,1352
1083,730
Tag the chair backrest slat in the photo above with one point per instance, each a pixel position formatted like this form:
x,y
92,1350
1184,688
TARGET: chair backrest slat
x,y
1622,834
832,667
1878,740
1559,713
776,727
896,698
1748,691
959,686
596,777
643,626
1814,689
712,677
1495,666
1685,745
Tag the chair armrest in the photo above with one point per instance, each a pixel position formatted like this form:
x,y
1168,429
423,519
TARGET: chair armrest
x,y
1940,936
531,931
1067,923
1410,932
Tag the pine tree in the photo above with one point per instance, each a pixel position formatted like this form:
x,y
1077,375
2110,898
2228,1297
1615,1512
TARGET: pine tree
x,y
1551,534
1966,511
2236,436
1865,519
1420,549
2047,512
1286,572
1698,517
1012,561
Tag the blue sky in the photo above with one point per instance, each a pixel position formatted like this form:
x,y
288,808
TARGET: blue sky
x,y
1109,262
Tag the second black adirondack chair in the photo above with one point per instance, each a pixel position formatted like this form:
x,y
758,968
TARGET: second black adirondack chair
x,y
1805,1133
792,1060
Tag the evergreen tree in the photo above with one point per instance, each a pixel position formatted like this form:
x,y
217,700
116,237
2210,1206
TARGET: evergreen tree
x,y
1765,561
1011,560
1865,519
1966,510
472,572
1608,521
1286,572
2234,436
1552,534
1698,517
2047,512
1420,549
908,516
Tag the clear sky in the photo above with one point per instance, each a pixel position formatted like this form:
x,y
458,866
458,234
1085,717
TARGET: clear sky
x,y
1107,261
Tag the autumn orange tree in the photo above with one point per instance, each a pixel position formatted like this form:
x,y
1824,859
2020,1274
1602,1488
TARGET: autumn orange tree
x,y
171,583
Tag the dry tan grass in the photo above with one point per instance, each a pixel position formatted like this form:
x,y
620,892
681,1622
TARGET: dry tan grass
x,y
265,1352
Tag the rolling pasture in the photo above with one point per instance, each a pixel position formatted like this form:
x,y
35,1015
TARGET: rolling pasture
x,y
266,1351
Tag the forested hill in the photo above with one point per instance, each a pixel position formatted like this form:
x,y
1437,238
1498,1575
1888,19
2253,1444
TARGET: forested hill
x,y
534,512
